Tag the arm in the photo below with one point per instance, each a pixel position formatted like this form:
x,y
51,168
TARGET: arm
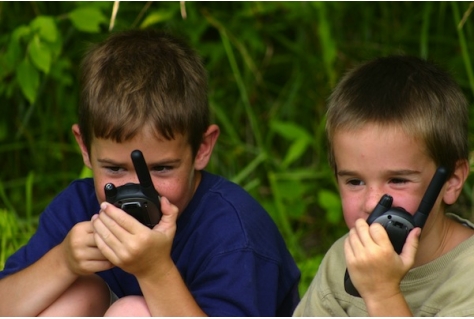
x,y
377,270
28,292
32,290
146,253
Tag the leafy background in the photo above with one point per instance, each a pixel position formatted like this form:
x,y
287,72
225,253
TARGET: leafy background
x,y
271,67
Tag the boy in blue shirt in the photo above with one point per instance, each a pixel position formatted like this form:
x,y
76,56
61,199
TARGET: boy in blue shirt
x,y
215,252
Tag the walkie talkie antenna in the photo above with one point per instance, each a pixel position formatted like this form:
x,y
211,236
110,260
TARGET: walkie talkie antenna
x,y
431,194
141,169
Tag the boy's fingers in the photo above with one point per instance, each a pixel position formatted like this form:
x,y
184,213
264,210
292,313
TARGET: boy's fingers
x,y
118,221
364,234
170,215
411,246
379,234
357,238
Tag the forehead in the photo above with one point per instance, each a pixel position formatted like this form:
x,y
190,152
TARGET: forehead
x,y
148,141
377,145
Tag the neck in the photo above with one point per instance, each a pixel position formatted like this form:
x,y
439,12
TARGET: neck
x,y
439,237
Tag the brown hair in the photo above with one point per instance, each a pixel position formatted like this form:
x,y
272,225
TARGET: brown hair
x,y
409,92
143,78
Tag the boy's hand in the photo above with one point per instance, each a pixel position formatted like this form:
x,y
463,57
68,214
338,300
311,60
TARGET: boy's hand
x,y
133,246
375,268
82,254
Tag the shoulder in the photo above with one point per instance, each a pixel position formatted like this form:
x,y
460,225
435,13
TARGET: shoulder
x,y
218,200
77,190
227,206
443,287
332,269
222,218
326,295
76,203
216,186
80,187
223,226
463,221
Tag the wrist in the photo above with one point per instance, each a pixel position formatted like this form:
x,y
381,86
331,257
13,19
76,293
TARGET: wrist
x,y
389,303
61,262
162,273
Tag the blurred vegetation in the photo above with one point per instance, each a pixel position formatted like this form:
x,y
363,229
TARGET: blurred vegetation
x,y
271,67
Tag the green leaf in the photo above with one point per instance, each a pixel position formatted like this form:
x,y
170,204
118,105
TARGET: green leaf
x,y
295,151
289,131
87,19
20,32
28,79
328,46
40,54
46,28
290,189
14,50
156,17
330,202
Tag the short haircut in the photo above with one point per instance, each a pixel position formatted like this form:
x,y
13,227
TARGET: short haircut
x,y
143,78
408,92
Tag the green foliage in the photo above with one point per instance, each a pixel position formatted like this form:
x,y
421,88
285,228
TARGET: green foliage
x,y
271,67
87,19
15,231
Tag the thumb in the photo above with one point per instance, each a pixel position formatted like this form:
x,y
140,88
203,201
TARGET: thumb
x,y
169,217
410,248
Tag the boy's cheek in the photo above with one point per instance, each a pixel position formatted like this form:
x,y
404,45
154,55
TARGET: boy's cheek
x,y
350,215
99,189
353,208
350,220
100,195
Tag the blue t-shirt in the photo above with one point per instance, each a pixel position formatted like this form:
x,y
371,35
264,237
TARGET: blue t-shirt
x,y
227,248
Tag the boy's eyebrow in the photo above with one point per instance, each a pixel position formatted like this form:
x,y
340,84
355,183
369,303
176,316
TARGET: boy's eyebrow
x,y
108,161
401,172
345,173
150,164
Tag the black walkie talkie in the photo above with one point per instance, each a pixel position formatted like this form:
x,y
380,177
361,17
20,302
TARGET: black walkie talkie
x,y
398,222
141,201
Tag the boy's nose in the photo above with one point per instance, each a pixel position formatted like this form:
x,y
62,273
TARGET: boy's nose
x,y
134,179
371,199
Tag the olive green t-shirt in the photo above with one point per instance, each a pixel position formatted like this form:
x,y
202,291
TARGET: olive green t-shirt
x,y
443,287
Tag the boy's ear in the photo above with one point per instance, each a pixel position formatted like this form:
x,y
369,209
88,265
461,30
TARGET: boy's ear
x,y
456,182
85,154
207,145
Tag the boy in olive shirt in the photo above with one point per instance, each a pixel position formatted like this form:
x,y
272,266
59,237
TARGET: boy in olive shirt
x,y
390,123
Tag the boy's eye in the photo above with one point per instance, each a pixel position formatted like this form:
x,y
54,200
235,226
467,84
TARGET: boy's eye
x,y
398,181
161,168
113,168
355,182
